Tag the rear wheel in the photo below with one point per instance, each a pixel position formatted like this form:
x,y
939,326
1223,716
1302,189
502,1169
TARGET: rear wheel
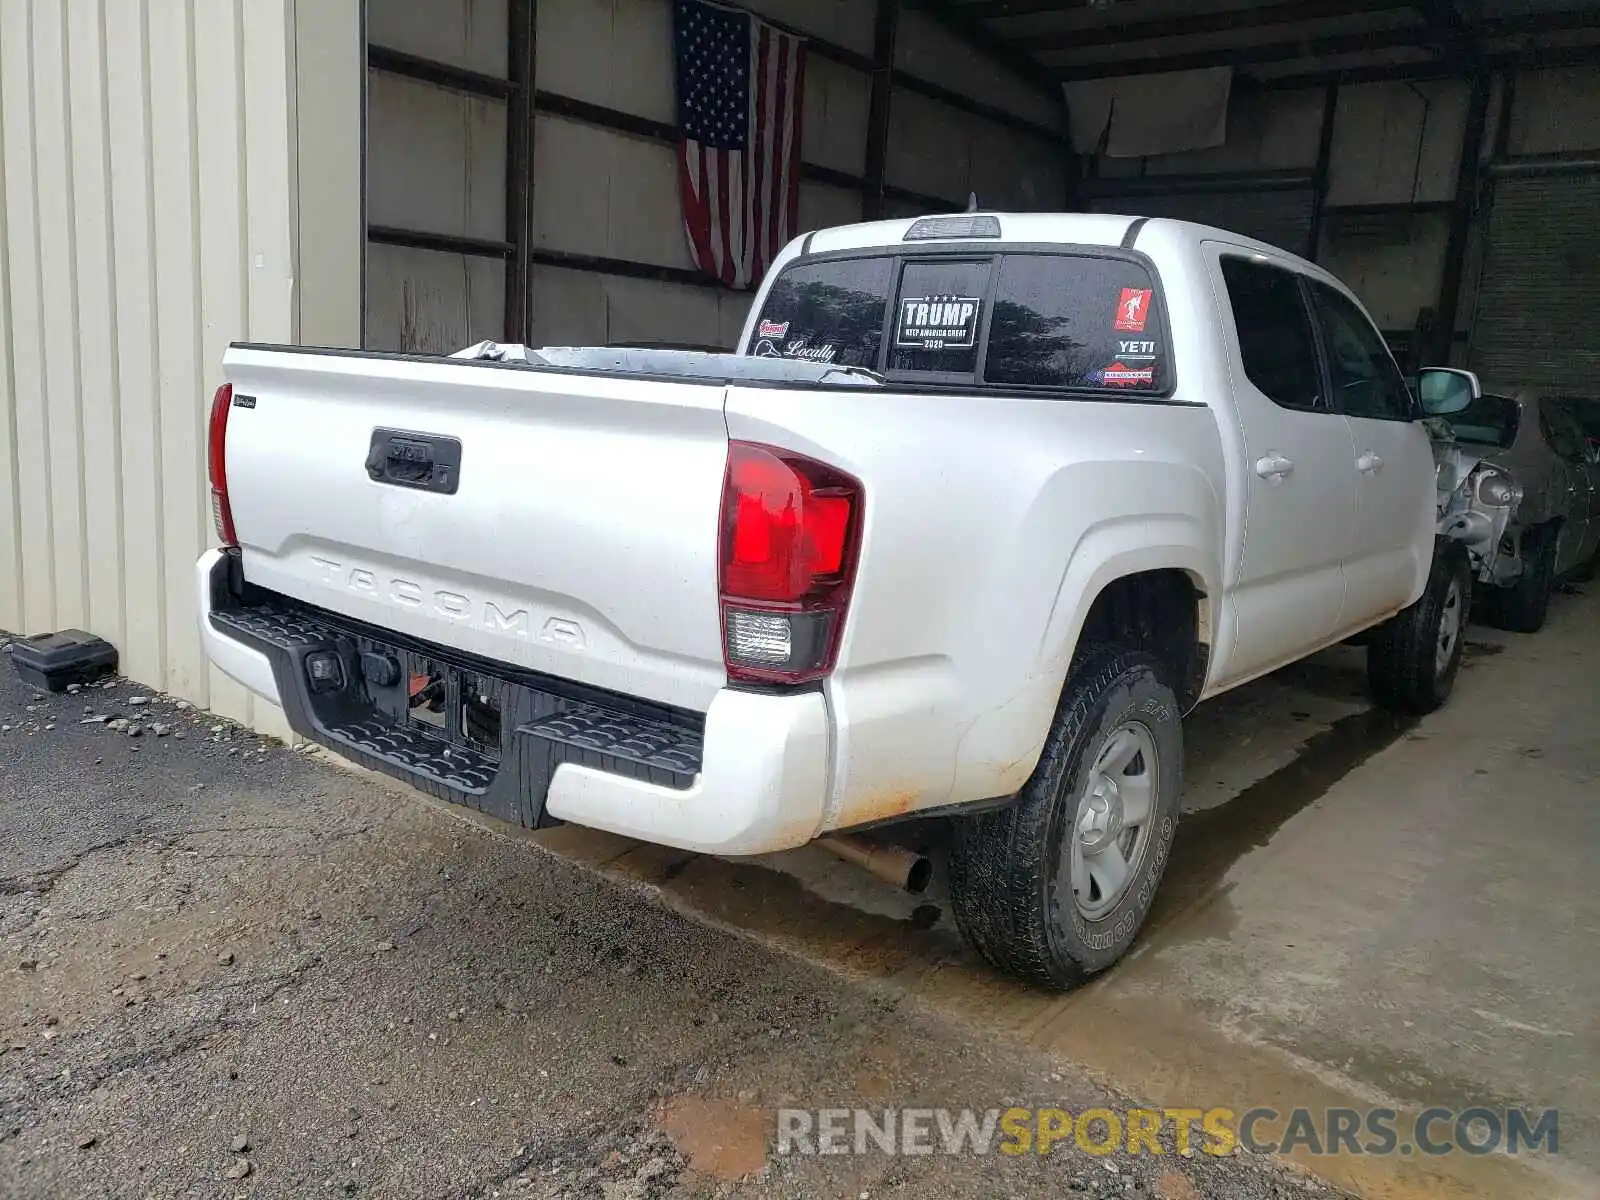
x,y
1523,606
1413,658
1054,888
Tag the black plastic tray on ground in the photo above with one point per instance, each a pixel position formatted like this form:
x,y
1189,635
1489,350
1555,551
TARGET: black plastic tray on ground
x,y
55,661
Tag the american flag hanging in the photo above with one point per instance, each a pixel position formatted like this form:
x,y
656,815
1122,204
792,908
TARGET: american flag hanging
x,y
741,84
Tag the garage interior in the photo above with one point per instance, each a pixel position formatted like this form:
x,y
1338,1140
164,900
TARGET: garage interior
x,y
417,175
1441,158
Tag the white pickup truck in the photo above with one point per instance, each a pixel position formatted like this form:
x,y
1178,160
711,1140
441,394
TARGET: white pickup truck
x,y
983,506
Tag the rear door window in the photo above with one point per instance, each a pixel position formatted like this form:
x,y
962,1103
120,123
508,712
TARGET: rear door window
x,y
1366,382
1071,321
1276,343
830,312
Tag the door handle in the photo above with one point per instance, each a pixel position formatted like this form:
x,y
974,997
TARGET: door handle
x,y
424,461
1369,463
1274,466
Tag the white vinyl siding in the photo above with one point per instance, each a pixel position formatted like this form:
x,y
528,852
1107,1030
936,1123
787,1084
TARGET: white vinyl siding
x,y
151,155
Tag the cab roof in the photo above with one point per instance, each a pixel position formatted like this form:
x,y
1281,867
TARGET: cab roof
x,y
1074,229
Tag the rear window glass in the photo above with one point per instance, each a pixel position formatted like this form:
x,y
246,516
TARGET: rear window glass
x,y
937,316
1074,321
830,312
1487,421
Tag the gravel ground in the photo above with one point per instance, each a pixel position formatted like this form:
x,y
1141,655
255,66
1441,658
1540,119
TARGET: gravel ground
x,y
230,969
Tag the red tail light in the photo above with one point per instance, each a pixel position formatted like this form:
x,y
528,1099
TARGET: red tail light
x,y
217,464
791,529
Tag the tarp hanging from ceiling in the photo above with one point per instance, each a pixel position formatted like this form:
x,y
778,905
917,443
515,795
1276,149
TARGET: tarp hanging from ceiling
x,y
1139,115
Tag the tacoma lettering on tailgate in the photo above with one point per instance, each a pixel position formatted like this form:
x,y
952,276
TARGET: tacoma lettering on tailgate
x,y
452,606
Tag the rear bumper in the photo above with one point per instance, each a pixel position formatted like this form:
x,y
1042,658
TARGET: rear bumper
x,y
247,664
749,777
761,785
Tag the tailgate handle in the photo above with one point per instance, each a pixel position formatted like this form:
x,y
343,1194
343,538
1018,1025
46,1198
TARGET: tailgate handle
x,y
415,460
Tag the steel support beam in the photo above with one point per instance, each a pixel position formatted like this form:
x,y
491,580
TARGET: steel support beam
x,y
1198,24
1013,56
1441,68
522,36
875,177
1319,187
986,9
1243,56
1468,175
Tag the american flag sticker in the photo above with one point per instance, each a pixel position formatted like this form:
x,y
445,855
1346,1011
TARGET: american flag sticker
x,y
1120,374
1133,310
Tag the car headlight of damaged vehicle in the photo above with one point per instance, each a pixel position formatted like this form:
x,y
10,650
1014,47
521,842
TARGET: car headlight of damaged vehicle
x,y
1497,489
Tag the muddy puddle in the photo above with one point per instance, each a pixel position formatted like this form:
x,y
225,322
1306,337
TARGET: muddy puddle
x,y
808,903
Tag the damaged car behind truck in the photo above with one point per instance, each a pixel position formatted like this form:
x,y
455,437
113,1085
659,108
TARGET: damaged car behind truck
x,y
983,507
1519,487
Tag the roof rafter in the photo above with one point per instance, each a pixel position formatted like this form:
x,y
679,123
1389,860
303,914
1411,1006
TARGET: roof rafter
x,y
993,47
1286,51
1215,22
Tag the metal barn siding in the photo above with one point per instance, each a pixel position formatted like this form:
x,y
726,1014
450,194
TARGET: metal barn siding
x,y
1280,217
1540,288
148,201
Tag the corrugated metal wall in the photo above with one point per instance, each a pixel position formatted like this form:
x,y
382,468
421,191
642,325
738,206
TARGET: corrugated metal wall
x,y
437,163
1280,216
1535,323
148,203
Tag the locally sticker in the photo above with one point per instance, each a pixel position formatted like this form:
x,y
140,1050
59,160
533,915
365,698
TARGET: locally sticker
x,y
773,329
1134,351
1133,310
1120,374
803,350
938,323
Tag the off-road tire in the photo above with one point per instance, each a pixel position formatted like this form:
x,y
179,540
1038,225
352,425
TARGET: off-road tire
x,y
1005,864
1523,606
1402,659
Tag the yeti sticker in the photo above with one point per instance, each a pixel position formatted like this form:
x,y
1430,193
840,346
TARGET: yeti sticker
x,y
938,323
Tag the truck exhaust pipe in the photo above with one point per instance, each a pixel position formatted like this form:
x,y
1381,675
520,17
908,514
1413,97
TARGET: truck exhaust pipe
x,y
895,865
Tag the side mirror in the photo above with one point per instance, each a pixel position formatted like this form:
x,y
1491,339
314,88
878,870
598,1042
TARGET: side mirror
x,y
1445,391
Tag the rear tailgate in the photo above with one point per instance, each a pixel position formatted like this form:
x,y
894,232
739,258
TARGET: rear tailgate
x,y
578,537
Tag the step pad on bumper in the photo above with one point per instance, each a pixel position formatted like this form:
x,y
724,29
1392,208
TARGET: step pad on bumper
x,y
594,728
459,767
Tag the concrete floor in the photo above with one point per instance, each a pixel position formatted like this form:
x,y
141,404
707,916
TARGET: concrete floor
x,y
386,997
228,969
1360,912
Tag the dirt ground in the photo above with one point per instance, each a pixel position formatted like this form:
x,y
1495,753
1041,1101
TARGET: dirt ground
x,y
230,969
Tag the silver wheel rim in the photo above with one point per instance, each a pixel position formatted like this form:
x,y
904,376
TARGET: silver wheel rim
x,y
1449,629
1112,820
